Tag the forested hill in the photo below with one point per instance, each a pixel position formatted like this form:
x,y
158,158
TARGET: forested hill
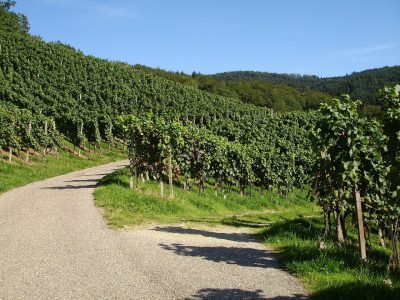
x,y
279,97
288,92
363,85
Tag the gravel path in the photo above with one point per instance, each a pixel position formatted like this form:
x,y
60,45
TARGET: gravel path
x,y
54,244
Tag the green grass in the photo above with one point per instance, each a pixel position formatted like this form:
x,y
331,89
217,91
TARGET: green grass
x,y
333,272
124,207
19,173
293,227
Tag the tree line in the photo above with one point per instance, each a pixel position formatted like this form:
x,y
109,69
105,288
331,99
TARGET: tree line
x,y
277,96
363,85
10,21
290,92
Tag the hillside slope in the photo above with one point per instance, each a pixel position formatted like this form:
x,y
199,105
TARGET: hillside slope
x,y
83,95
287,92
277,96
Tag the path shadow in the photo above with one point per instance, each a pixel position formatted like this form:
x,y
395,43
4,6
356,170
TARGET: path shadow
x,y
225,294
82,180
236,237
238,294
246,257
245,223
71,187
295,296
91,175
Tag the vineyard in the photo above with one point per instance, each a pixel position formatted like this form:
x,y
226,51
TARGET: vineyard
x,y
182,136
50,90
342,155
272,152
84,95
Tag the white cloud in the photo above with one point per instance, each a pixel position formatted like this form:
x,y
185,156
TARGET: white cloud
x,y
96,9
115,12
364,50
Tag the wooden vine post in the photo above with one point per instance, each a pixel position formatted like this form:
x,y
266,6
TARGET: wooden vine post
x,y
133,165
10,154
111,136
161,187
45,132
10,149
360,222
381,238
171,186
395,257
54,129
79,148
161,179
29,135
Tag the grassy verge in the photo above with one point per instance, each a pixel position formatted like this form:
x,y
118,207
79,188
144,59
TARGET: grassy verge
x,y
292,226
19,173
124,207
330,272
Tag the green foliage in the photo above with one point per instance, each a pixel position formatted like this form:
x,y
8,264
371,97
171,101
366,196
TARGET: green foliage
x,y
7,4
275,153
289,92
355,157
56,81
21,129
391,119
279,97
352,148
10,21
23,23
363,85
352,158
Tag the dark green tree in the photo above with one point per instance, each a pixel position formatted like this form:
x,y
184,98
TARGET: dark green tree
x,y
23,23
6,5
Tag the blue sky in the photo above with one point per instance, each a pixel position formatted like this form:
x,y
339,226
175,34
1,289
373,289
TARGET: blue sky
x,y
321,37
